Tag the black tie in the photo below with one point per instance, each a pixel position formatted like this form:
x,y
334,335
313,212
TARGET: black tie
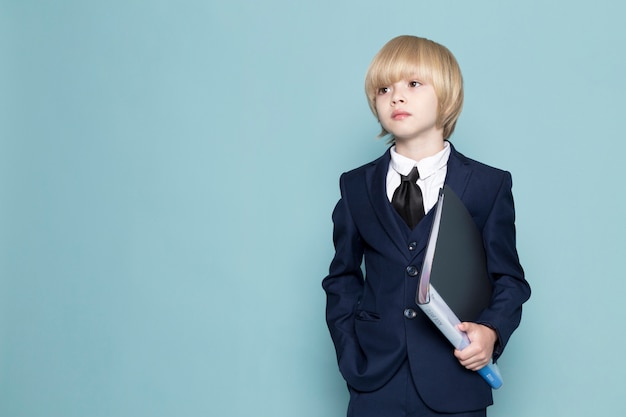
x,y
407,199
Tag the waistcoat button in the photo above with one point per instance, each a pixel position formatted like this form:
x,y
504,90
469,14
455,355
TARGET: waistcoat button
x,y
409,313
411,270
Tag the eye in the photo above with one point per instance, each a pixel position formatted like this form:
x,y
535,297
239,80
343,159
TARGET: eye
x,y
414,84
383,90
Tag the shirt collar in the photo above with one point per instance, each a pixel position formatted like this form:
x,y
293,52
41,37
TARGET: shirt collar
x,y
426,167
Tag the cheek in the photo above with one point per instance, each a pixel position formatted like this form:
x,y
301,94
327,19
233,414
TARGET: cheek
x,y
380,112
379,104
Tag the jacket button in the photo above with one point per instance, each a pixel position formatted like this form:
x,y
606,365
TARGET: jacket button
x,y
409,313
412,246
411,270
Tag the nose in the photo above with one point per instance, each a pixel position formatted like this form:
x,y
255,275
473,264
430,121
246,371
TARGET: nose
x,y
397,97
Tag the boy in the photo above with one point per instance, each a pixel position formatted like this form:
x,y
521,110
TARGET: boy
x,y
394,360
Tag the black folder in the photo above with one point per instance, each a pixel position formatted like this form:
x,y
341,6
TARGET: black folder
x,y
458,268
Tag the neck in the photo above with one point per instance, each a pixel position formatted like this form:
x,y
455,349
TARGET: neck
x,y
419,148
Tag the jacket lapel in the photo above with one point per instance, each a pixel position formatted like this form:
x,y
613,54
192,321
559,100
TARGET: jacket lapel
x,y
458,172
376,178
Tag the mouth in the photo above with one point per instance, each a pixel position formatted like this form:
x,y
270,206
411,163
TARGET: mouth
x,y
399,115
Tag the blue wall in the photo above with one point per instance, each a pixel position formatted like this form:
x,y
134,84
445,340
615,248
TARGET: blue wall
x,y
156,261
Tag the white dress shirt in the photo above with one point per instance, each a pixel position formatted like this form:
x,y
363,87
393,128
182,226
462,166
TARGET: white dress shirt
x,y
432,174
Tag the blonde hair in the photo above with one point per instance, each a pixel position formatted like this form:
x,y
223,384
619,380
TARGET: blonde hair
x,y
406,57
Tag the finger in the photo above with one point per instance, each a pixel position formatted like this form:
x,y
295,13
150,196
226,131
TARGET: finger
x,y
473,364
465,354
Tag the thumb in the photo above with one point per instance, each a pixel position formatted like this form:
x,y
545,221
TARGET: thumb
x,y
464,326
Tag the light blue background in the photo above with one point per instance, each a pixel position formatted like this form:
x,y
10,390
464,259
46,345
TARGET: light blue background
x,y
168,170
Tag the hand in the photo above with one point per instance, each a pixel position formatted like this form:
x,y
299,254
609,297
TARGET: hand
x,y
482,342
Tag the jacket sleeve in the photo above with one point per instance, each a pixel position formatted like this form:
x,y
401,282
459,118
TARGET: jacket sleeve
x,y
510,289
344,283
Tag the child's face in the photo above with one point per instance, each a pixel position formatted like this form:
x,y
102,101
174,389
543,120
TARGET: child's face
x,y
408,110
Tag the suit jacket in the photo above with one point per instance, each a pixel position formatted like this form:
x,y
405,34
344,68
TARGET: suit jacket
x,y
373,319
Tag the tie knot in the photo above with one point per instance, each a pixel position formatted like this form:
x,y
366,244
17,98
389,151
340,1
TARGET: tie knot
x,y
412,177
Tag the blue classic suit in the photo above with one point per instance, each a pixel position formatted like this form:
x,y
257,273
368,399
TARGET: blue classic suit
x,y
375,323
